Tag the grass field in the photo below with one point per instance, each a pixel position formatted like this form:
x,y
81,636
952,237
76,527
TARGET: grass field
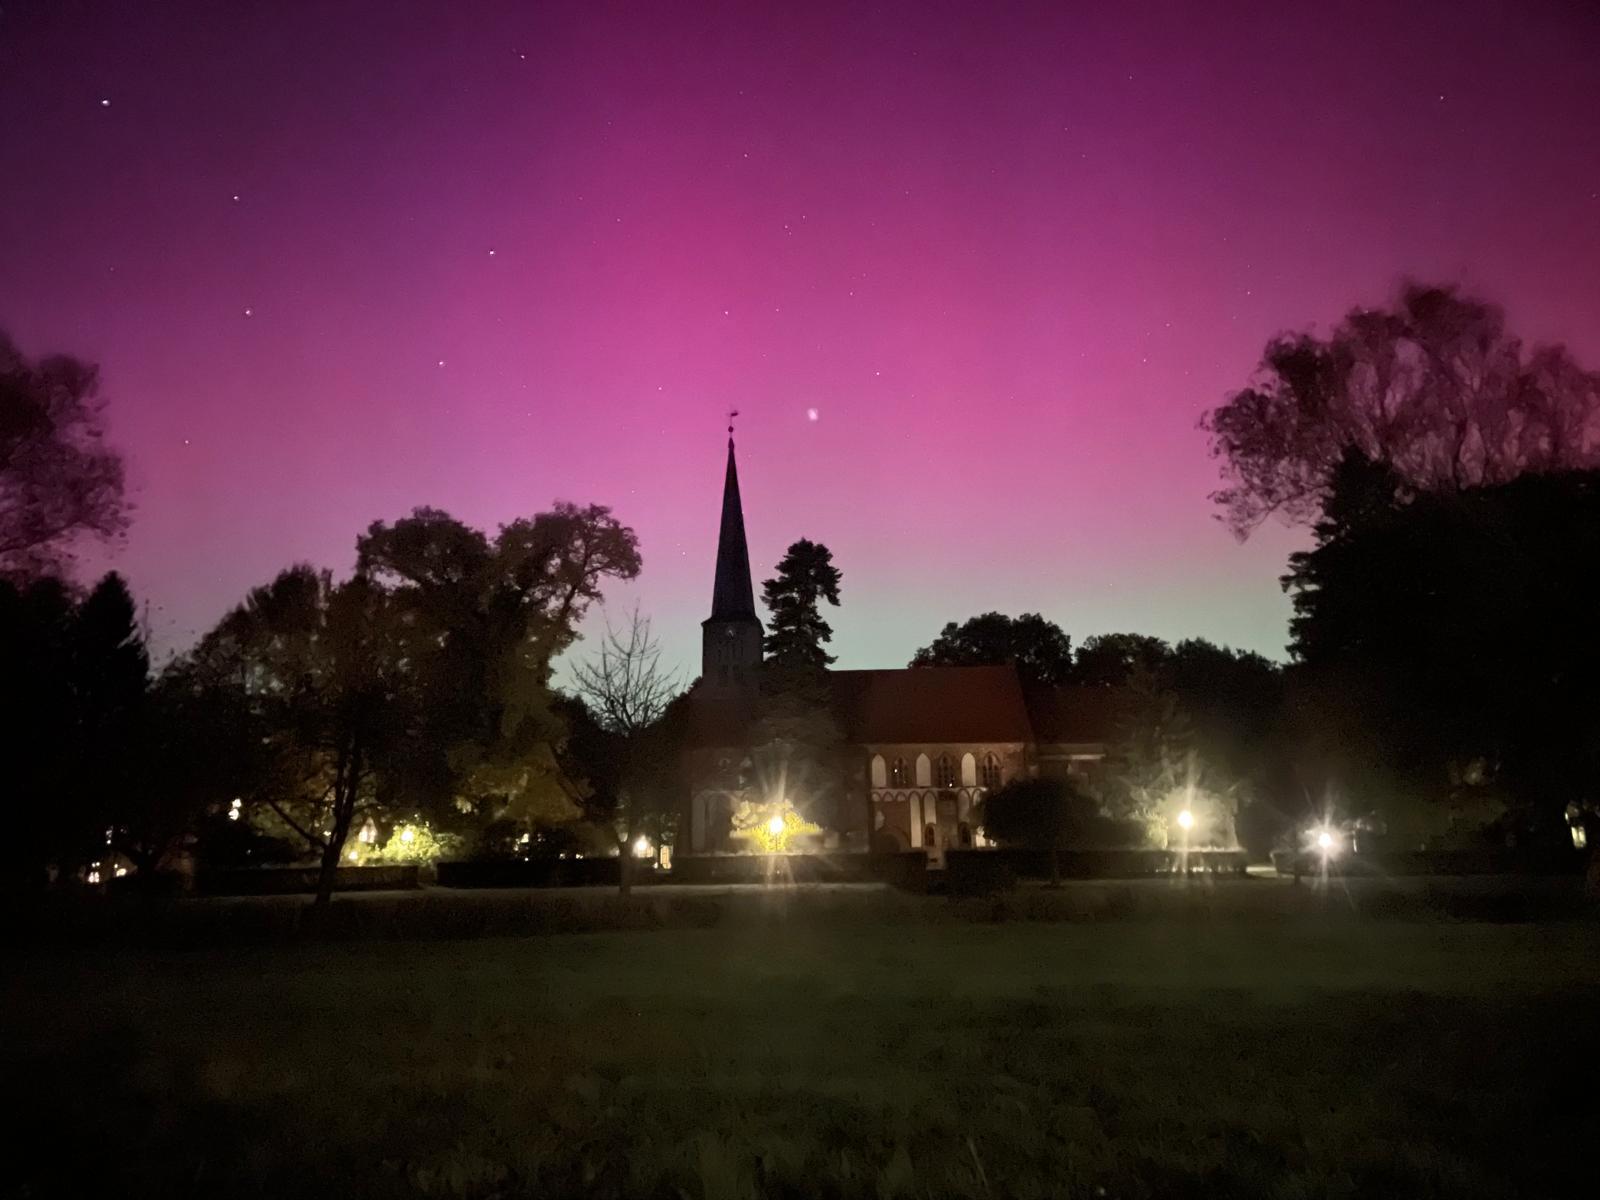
x,y
1293,1058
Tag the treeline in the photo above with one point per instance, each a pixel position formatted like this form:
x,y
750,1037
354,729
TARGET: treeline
x,y
1443,683
383,716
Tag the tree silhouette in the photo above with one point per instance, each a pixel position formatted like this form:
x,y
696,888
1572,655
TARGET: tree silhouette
x,y
1454,633
72,706
1038,648
1110,659
484,618
329,686
1041,814
630,760
1433,388
796,632
58,481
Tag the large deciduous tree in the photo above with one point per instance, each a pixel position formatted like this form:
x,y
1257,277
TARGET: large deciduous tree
x,y
485,619
58,480
332,691
1434,388
1112,659
1038,648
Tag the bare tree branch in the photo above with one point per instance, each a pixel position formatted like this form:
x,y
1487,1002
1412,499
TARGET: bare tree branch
x,y
624,682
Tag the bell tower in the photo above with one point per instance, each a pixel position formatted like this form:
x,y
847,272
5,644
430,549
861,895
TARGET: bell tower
x,y
730,639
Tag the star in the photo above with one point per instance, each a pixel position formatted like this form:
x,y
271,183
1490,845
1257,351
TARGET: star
x,y
441,362
236,197
491,251
105,104
249,312
811,414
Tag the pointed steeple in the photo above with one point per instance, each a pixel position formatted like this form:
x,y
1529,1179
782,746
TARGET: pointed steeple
x,y
732,596
730,638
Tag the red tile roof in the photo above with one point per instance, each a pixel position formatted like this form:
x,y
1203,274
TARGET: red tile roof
x,y
937,705
931,704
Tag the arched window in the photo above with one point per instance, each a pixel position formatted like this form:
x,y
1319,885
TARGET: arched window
x,y
880,774
991,772
899,774
969,771
946,777
924,771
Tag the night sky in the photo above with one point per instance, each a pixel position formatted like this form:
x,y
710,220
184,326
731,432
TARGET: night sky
x,y
970,272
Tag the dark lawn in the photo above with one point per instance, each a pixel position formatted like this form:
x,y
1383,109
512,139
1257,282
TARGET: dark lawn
x,y
1293,1058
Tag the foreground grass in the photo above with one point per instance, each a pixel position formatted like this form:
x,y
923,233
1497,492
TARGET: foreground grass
x,y
1291,1059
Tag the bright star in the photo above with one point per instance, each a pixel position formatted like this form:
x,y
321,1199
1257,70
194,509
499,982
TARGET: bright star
x,y
811,414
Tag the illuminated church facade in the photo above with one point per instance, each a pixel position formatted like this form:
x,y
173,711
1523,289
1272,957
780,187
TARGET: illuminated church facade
x,y
920,746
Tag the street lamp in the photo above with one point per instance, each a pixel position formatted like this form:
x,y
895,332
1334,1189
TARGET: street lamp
x,y
1185,823
775,825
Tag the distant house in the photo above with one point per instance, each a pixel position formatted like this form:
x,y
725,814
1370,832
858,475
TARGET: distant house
x,y
922,745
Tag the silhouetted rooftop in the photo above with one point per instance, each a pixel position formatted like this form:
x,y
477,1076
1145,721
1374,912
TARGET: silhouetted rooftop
x,y
908,705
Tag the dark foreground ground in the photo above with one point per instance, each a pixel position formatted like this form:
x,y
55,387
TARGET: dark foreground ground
x,y
790,1054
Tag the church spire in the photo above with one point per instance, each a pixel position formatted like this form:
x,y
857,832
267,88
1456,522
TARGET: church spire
x,y
732,596
730,638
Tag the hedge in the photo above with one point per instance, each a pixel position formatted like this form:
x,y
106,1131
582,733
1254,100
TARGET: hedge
x,y
1477,860
907,870
289,881
974,872
539,873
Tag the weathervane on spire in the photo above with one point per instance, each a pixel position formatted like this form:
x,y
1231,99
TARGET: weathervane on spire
x,y
732,413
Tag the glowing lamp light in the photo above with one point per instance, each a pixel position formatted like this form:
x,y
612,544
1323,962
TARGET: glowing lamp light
x,y
641,847
775,825
352,854
407,836
1186,819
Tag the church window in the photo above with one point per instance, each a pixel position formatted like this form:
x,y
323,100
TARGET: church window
x,y
924,771
899,775
947,771
879,772
991,772
969,771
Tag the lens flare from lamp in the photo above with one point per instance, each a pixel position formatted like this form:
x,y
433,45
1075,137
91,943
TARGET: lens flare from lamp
x,y
1186,819
775,825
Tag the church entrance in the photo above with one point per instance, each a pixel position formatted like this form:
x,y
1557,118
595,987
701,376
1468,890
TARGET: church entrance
x,y
946,826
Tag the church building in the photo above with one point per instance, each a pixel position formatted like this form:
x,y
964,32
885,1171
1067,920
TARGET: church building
x,y
922,746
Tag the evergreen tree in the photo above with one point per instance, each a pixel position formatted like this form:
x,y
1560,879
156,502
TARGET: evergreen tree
x,y
796,631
